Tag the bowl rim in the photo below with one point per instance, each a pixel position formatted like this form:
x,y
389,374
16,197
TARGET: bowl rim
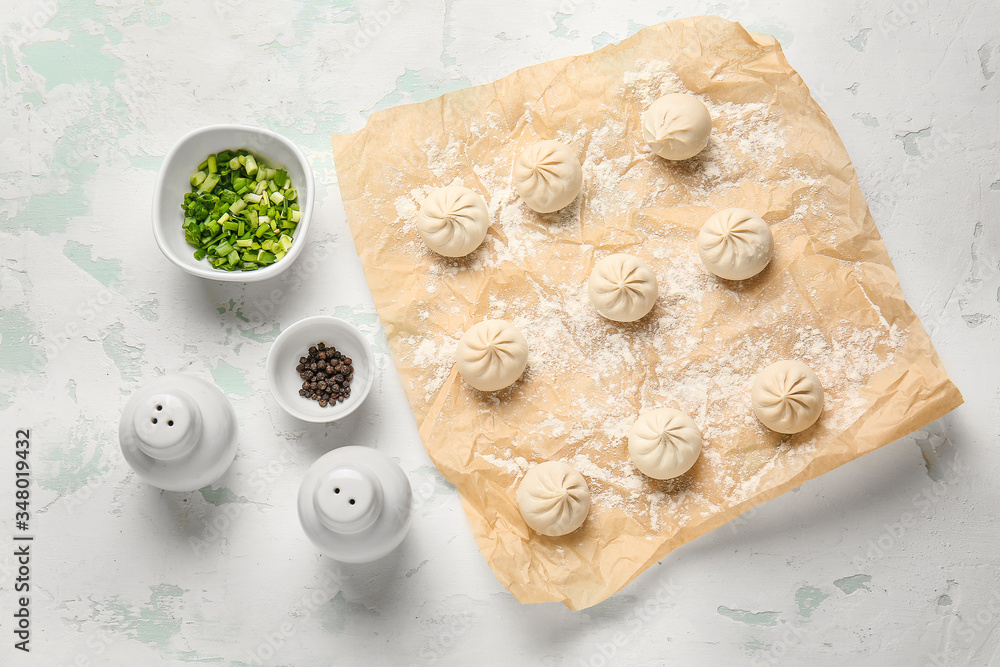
x,y
207,271
270,368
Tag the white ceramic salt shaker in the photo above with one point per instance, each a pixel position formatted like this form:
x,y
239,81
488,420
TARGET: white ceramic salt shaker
x,y
178,433
354,504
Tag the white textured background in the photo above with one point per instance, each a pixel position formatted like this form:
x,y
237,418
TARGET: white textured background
x,y
893,559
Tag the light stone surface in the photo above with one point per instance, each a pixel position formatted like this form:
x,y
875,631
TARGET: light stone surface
x,y
891,559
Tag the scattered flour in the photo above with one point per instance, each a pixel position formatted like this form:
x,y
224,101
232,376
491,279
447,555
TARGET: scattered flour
x,y
700,347
509,466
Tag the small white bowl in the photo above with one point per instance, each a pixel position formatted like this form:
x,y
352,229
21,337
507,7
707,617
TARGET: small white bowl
x,y
294,342
173,182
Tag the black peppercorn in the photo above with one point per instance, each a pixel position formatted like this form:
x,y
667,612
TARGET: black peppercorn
x,y
326,375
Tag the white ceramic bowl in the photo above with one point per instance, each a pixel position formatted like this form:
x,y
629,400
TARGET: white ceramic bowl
x,y
174,181
294,342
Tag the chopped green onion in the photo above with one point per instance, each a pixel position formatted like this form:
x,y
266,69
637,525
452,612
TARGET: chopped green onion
x,y
240,214
208,184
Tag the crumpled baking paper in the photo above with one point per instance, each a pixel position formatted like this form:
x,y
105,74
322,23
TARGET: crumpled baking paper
x,y
830,297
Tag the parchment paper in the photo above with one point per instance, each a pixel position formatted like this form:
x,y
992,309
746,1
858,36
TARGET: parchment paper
x,y
830,297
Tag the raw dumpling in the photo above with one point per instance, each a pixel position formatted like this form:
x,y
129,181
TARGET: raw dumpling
x,y
453,221
553,498
548,176
622,287
735,244
664,443
787,397
491,355
677,126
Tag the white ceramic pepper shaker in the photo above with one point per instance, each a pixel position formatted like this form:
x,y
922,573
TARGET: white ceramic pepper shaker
x,y
178,433
354,504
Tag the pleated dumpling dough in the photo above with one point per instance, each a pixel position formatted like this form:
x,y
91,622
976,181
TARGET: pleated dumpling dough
x,y
787,397
677,126
548,176
735,244
553,498
491,355
622,287
664,443
453,221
